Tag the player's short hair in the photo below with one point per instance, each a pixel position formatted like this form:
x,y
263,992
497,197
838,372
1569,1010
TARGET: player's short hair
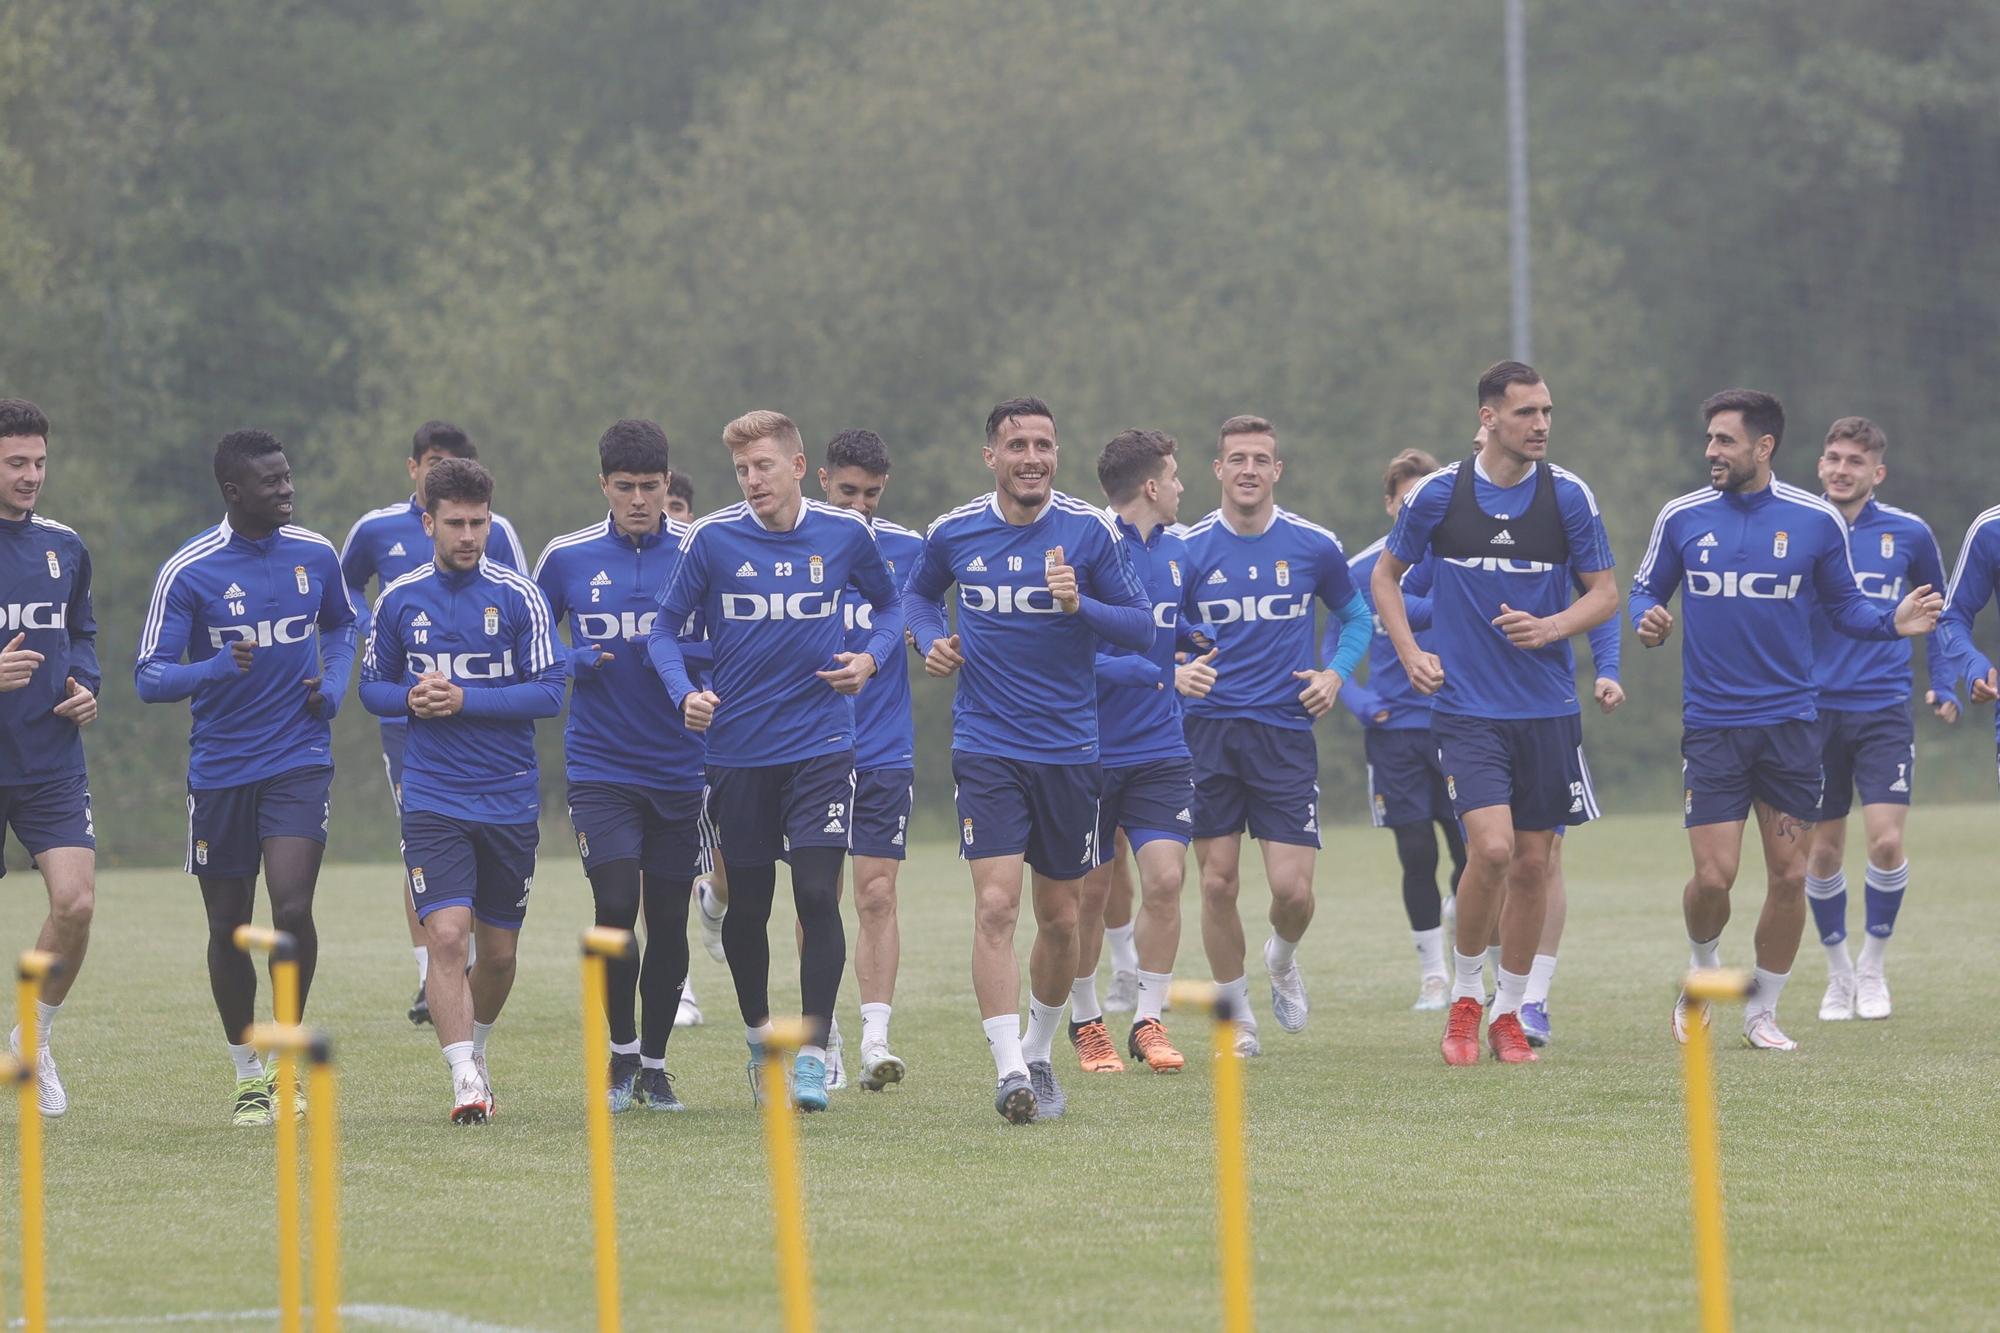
x,y
760,425
1130,460
1762,413
1404,468
237,448
461,480
20,417
1858,429
1244,424
633,445
1003,413
859,448
679,485
442,437
1495,379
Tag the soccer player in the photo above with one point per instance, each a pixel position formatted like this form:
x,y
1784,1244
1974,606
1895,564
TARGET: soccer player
x,y
1256,569
385,544
49,680
1867,733
854,476
464,647
1041,578
1753,558
1148,774
634,770
1974,580
768,577
241,602
1506,532
680,498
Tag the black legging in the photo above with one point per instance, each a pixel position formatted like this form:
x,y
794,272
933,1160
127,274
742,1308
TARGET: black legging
x,y
291,870
1416,848
747,943
620,889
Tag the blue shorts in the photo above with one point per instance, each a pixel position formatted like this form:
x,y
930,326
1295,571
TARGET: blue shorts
x,y
227,826
1018,807
1157,796
1254,774
394,738
756,815
1724,769
883,798
1532,765
51,814
1405,780
620,821
1875,752
489,868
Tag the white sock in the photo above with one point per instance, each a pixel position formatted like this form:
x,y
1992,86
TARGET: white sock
x,y
1153,988
1430,951
1124,952
625,1047
833,1032
1764,995
1279,952
247,1063
471,948
705,889
1083,1005
1705,953
1508,994
1838,963
458,1057
480,1032
687,990
813,1052
874,1025
1236,997
1044,1021
1541,975
1003,1039
423,953
758,1035
45,1021
652,1062
1873,947
1492,960
1470,983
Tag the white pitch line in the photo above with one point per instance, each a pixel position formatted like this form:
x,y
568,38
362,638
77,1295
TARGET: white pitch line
x,y
381,1316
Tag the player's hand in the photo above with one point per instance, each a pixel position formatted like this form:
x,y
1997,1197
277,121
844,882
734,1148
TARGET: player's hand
x,y
1987,690
1197,677
852,673
1062,583
698,709
1322,688
1918,613
242,651
1526,632
1608,693
1655,626
1425,671
428,696
79,705
17,664
944,657
450,699
1945,706
315,701
590,656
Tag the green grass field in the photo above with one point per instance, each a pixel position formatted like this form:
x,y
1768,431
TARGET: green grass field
x,y
1389,1191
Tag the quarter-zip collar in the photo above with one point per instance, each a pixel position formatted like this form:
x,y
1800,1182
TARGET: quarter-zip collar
x,y
261,545
645,541
458,580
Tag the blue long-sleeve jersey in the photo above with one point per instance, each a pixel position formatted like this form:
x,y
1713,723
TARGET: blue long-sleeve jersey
x,y
1028,689
1253,600
622,726
277,591
488,631
1138,708
771,603
1894,552
1752,568
385,544
45,596
1974,580
1384,697
884,732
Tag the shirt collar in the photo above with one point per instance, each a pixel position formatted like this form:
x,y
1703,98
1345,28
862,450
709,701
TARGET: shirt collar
x,y
230,534
1479,470
798,520
646,539
458,578
1146,539
994,504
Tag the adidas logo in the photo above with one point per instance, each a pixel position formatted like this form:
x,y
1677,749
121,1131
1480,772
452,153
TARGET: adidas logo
x,y
834,826
1900,784
233,590
978,566
397,549
423,620
1184,817
1576,805
1218,577
746,570
896,841
1707,539
1503,538
600,580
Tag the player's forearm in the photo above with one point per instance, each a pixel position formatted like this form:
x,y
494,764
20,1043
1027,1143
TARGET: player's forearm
x,y
162,682
1131,670
924,617
1386,585
83,664
364,614
1605,649
1639,601
1126,626
1357,626
522,701
1598,604
336,665
885,644
385,698
663,650
1361,701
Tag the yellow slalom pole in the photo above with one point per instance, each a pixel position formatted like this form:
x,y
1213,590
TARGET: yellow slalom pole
x,y
1232,1173
283,951
788,1201
1711,1248
35,967
600,944
325,1129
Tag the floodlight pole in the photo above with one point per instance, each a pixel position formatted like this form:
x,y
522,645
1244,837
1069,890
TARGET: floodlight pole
x,y
1517,179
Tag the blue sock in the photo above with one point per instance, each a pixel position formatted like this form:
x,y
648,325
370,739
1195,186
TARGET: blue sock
x,y
1828,900
1883,894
